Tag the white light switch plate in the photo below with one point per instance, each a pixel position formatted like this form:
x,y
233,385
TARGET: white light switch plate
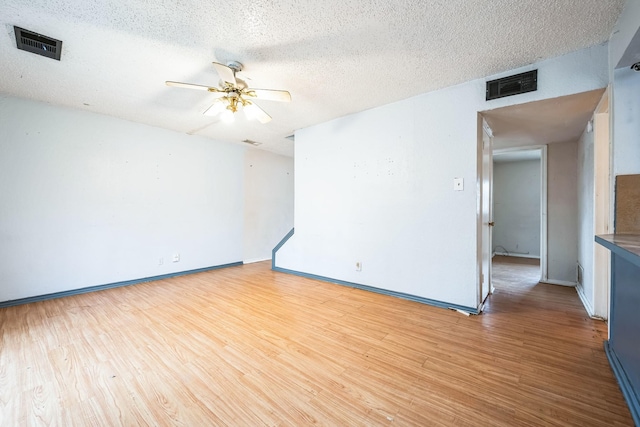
x,y
458,184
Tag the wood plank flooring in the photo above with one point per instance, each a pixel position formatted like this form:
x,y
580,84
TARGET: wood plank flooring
x,y
246,346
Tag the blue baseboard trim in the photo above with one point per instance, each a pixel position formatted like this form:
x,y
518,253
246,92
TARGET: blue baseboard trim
x,y
278,246
62,294
625,385
409,297
402,295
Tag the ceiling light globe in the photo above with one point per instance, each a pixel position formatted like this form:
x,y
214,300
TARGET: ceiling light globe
x,y
227,116
249,111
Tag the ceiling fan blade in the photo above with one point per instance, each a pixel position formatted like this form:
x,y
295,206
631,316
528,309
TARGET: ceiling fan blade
x,y
254,111
226,74
217,93
189,86
270,94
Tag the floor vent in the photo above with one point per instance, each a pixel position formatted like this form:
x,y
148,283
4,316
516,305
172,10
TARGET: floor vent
x,y
512,85
37,43
580,274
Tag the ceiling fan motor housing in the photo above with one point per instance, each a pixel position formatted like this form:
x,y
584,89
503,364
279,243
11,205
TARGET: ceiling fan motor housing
x,y
235,66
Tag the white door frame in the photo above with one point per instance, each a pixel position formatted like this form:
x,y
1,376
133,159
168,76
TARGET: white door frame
x,y
543,201
602,217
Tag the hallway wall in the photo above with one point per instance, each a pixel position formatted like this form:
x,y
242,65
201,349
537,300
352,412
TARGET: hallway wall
x,y
516,208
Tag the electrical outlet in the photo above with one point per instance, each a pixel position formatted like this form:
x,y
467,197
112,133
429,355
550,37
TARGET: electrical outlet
x,y
176,257
160,261
358,266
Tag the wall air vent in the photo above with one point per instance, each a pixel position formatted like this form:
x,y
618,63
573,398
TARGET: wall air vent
x,y
512,85
37,43
248,141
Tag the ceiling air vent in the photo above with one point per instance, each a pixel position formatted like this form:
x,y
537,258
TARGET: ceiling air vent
x,y
513,85
37,43
248,141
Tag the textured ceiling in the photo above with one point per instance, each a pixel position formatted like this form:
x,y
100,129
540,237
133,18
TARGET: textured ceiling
x,y
335,57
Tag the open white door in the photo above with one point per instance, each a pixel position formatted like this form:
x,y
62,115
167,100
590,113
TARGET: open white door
x,y
602,217
486,213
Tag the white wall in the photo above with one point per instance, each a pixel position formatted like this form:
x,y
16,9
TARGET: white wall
x,y
624,32
516,208
562,212
586,208
268,206
377,186
88,200
625,95
626,125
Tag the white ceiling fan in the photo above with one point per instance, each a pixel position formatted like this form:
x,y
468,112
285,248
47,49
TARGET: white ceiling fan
x,y
233,94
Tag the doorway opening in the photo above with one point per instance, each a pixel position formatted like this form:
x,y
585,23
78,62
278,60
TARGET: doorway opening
x,y
562,130
519,214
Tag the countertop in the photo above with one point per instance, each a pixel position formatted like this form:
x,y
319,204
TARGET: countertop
x,y
626,245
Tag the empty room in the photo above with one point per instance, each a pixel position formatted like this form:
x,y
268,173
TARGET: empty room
x,y
241,213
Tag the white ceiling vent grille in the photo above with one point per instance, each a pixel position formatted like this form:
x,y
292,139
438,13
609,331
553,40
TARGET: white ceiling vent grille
x,y
37,43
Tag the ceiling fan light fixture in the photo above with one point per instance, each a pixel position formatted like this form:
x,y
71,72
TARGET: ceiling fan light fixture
x,y
232,93
250,111
215,109
227,116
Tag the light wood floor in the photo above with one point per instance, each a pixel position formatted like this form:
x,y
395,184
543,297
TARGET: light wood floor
x,y
514,273
248,346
